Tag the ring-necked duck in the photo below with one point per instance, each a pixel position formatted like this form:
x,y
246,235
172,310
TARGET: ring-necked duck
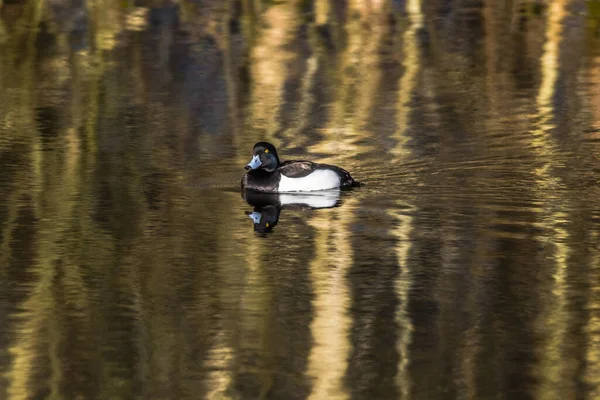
x,y
268,174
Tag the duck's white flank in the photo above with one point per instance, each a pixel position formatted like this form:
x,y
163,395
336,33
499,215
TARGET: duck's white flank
x,y
321,179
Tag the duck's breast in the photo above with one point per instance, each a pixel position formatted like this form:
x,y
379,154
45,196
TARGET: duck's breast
x,y
321,179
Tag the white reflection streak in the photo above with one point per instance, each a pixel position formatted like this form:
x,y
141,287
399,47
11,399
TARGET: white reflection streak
x,y
330,328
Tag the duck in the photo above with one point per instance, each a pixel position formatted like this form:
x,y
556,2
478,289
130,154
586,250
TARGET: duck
x,y
267,173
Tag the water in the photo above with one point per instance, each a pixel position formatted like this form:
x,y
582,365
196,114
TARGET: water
x,y
466,267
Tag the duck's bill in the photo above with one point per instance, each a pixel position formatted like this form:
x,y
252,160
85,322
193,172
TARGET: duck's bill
x,y
255,217
254,163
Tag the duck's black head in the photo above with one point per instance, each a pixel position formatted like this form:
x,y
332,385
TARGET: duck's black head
x,y
264,157
265,218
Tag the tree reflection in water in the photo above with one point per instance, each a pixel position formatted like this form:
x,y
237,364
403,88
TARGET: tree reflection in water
x,y
467,267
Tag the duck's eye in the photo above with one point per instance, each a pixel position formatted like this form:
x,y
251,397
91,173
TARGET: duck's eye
x,y
266,150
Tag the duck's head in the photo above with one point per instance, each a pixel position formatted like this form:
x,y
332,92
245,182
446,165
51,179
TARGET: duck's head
x,y
265,218
264,157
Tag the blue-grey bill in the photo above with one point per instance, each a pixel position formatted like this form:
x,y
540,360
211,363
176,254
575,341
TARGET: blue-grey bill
x,y
255,216
254,163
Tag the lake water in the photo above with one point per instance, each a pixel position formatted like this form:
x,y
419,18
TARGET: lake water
x,y
466,267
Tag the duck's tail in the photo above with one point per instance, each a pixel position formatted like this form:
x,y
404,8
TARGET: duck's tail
x,y
346,180
350,182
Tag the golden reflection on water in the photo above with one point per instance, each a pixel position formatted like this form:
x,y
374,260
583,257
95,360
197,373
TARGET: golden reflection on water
x,y
403,286
549,72
271,59
366,37
124,273
221,359
256,302
554,321
409,79
402,232
592,328
330,327
220,364
349,113
34,320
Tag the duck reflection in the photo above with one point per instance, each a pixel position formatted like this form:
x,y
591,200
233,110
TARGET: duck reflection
x,y
267,206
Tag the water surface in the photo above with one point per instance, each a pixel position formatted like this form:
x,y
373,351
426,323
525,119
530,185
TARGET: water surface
x,y
466,267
